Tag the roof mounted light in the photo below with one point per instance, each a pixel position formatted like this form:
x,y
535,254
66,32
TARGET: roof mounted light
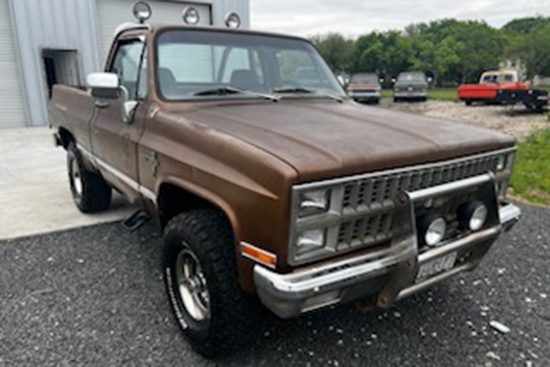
x,y
142,11
191,15
232,20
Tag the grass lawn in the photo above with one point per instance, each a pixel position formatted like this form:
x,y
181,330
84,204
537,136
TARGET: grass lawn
x,y
441,94
531,176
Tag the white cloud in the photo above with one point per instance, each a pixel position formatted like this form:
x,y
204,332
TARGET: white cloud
x,y
354,17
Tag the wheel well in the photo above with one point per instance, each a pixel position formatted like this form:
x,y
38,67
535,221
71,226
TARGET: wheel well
x,y
173,200
66,137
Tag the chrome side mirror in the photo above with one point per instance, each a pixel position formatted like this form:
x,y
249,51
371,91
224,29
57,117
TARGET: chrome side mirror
x,y
104,85
107,86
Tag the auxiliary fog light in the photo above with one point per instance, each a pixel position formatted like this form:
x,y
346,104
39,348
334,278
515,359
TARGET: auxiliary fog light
x,y
191,15
473,215
142,11
232,20
432,230
311,239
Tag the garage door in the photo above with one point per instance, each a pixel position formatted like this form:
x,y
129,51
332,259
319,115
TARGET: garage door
x,y
11,100
114,12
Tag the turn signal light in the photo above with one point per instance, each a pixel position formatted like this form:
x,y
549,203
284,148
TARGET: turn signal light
x,y
258,255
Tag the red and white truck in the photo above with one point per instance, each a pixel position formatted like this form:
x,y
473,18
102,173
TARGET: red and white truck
x,y
490,83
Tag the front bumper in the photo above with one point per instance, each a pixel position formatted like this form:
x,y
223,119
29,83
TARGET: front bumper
x,y
364,95
386,276
410,94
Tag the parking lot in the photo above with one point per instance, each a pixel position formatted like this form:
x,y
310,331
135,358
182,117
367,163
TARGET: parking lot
x,y
94,295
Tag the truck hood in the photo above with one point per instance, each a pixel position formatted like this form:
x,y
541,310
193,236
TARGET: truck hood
x,y
323,139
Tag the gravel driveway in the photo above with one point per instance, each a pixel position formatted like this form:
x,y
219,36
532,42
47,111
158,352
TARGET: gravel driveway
x,y
513,120
94,296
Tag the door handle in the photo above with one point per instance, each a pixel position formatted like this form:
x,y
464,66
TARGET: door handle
x,y
101,104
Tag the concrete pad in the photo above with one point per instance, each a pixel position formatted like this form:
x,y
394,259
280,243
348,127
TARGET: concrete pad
x,y
34,188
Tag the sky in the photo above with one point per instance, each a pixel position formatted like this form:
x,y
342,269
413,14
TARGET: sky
x,y
355,17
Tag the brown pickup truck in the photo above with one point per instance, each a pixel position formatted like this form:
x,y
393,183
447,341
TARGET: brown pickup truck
x,y
274,191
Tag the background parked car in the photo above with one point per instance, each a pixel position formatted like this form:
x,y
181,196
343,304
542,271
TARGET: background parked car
x,y
411,85
364,87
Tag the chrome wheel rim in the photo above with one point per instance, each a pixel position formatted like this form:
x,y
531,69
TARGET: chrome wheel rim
x,y
192,287
76,177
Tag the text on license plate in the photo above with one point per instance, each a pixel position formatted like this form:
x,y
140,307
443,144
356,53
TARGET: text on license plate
x,y
436,266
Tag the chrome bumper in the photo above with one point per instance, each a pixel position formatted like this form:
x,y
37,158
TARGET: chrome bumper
x,y
366,95
412,94
387,276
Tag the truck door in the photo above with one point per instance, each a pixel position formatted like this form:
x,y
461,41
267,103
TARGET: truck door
x,y
114,141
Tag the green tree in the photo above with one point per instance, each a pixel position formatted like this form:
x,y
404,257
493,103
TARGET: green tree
x,y
336,50
524,26
533,49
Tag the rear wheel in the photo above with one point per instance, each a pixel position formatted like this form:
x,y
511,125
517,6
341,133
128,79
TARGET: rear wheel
x,y
201,281
90,191
468,102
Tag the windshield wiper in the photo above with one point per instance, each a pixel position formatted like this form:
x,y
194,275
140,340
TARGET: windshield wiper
x,y
293,90
226,90
303,90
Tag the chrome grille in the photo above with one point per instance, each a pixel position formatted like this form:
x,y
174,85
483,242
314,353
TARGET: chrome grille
x,y
362,207
370,201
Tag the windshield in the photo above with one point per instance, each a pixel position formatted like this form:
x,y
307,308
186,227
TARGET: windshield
x,y
411,77
364,78
198,64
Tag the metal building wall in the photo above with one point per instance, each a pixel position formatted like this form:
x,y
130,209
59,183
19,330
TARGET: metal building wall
x,y
11,95
75,25
112,13
51,24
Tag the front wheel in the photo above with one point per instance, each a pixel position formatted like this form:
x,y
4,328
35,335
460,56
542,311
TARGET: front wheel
x,y
90,191
201,281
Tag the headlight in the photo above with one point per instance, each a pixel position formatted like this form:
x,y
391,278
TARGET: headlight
x,y
232,20
314,202
142,11
191,15
312,239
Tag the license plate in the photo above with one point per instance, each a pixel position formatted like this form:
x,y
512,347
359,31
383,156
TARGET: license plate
x,y
436,266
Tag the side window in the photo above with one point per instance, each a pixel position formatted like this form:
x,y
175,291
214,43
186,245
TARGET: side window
x,y
127,65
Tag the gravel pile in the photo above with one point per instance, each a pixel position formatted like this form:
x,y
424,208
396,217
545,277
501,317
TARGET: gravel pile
x,y
512,120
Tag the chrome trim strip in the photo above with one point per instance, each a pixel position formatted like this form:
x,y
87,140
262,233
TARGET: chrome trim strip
x,y
444,249
433,280
317,278
148,194
450,187
364,176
